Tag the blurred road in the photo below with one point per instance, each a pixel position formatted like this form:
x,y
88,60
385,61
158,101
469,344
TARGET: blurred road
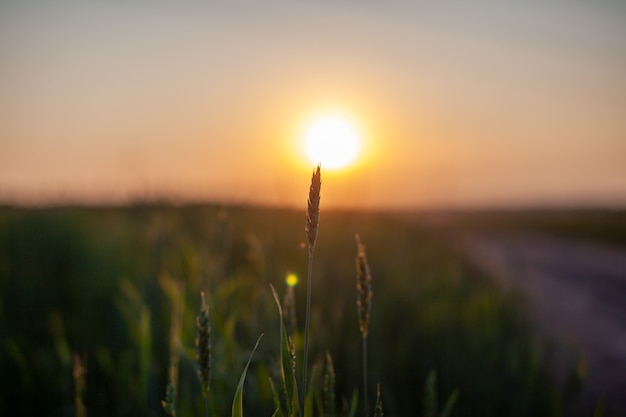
x,y
576,293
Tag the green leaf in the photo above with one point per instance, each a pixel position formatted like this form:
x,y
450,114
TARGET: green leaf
x,y
430,395
378,410
237,410
353,404
279,411
287,369
447,409
308,401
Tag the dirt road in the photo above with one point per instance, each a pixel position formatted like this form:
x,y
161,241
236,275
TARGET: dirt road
x,y
576,292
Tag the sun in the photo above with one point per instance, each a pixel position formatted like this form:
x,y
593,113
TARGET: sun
x,y
332,142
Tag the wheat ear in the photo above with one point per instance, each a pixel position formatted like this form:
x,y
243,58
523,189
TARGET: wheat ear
x,y
313,210
289,310
168,404
312,225
203,347
330,406
78,373
363,305
363,288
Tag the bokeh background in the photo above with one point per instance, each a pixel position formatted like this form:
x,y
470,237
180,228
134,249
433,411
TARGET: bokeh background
x,y
151,150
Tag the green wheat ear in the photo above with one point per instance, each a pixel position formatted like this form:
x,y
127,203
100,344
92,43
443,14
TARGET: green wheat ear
x,y
168,404
203,346
79,372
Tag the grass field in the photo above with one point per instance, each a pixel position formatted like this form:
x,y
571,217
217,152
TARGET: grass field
x,y
111,284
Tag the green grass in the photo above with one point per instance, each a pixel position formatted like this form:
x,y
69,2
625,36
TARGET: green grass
x,y
90,281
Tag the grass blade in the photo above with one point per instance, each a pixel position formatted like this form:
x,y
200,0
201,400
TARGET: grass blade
x,y
349,410
308,401
276,398
430,395
237,410
330,406
287,361
447,409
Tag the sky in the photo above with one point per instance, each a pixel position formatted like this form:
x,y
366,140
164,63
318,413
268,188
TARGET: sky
x,y
458,104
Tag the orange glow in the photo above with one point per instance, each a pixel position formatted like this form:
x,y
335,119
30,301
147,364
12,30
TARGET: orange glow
x,y
433,129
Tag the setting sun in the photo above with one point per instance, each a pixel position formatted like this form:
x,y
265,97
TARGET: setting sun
x,y
333,142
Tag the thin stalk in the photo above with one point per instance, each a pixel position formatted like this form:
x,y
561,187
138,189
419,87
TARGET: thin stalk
x,y
365,399
306,330
206,407
363,305
312,225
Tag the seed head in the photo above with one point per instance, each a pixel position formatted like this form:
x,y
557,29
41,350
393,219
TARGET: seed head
x,y
203,346
79,372
313,212
330,406
168,403
289,310
363,288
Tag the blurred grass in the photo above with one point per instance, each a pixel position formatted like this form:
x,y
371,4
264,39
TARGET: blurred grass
x,y
89,280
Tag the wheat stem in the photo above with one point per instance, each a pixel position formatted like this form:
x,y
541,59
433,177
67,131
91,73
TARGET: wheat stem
x,y
364,305
378,410
312,225
365,399
306,333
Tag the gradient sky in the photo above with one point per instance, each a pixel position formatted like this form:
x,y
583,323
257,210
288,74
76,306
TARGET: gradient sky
x,y
462,103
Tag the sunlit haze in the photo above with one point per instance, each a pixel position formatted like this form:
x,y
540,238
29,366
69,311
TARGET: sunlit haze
x,y
455,104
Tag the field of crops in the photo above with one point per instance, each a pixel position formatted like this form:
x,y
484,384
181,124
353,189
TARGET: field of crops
x,y
118,289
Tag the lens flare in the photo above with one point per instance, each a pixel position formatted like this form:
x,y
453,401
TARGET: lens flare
x,y
291,280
